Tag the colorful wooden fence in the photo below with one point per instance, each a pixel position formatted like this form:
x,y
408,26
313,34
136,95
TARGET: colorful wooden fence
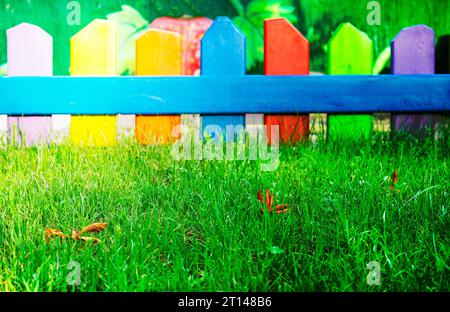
x,y
105,107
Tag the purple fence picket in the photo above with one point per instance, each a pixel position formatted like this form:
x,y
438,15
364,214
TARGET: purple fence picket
x,y
413,53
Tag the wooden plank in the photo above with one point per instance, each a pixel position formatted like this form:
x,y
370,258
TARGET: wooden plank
x,y
350,52
158,53
224,95
30,53
93,52
223,53
286,52
413,53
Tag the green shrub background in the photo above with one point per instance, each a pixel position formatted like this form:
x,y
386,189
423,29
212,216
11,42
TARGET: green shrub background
x,y
317,19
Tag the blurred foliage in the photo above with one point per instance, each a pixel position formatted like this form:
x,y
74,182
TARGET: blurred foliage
x,y
317,19
51,16
322,17
130,25
251,22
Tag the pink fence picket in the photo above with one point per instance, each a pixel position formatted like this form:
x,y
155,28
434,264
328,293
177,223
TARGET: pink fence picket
x,y
30,53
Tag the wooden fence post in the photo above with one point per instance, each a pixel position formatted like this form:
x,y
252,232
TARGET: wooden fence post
x,y
93,53
413,52
350,52
158,53
286,52
30,53
223,54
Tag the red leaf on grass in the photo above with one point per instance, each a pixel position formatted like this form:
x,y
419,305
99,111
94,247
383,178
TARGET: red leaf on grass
x,y
394,179
260,197
279,209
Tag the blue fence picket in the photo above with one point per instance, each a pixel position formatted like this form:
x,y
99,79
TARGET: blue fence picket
x,y
223,54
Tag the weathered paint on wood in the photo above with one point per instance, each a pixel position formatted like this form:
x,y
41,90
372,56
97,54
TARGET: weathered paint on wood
x,y
350,52
224,95
30,53
223,54
93,52
286,52
30,130
158,53
413,53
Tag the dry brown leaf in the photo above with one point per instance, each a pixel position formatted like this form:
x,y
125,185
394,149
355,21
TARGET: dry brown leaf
x,y
76,235
94,228
50,233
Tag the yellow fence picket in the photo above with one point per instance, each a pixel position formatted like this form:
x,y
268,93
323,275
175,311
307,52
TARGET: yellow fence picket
x,y
158,53
93,52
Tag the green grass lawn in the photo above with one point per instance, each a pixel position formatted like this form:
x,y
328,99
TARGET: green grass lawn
x,y
197,226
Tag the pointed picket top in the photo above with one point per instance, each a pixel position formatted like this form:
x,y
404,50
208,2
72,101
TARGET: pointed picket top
x,y
158,52
93,50
223,53
30,51
286,52
413,51
350,51
223,49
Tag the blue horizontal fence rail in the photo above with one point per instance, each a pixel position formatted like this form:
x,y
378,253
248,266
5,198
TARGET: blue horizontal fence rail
x,y
223,95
